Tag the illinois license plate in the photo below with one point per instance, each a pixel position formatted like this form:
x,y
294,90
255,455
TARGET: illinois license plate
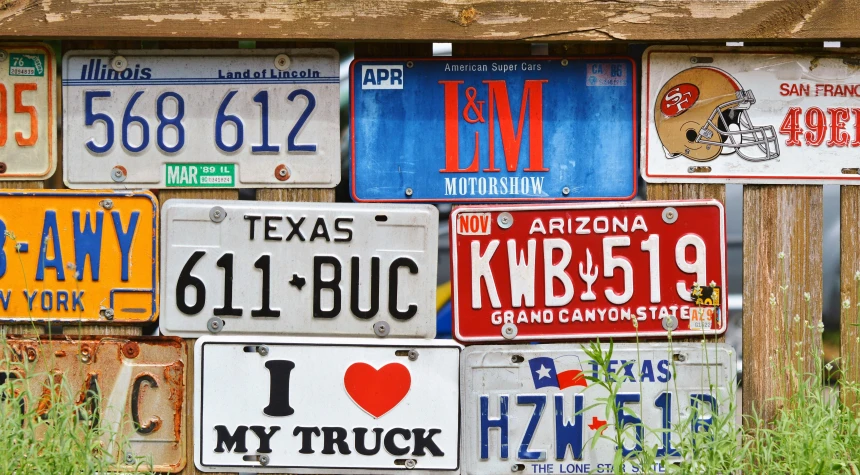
x,y
531,409
28,91
587,271
78,256
325,406
489,130
201,118
298,268
751,115
133,386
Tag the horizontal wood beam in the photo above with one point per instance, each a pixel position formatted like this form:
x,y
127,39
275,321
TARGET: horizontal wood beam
x,y
433,20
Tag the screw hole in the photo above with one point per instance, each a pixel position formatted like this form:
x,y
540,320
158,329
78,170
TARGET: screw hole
x,y
401,353
679,357
517,359
250,349
381,218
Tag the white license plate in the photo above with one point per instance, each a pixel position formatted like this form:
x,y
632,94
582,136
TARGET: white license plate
x,y
298,268
313,405
520,403
201,118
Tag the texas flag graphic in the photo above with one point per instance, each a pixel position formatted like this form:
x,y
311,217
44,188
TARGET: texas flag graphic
x,y
544,372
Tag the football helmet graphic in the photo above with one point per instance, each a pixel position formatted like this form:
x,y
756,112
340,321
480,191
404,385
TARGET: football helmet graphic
x,y
702,112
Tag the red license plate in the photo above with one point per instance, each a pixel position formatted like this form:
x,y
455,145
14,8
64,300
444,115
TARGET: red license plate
x,y
585,271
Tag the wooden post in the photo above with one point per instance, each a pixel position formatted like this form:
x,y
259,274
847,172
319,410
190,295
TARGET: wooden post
x,y
850,286
780,219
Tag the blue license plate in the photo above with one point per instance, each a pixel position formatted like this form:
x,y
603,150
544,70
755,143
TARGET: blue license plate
x,y
491,130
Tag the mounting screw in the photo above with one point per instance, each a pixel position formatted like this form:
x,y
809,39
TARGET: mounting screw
x,y
670,323
215,324
565,191
694,59
118,174
518,467
409,64
131,350
282,172
118,63
129,458
409,192
2,167
509,331
670,215
282,62
3,55
564,62
680,357
264,460
505,220
409,463
108,313
381,329
85,354
263,350
413,355
106,204
217,214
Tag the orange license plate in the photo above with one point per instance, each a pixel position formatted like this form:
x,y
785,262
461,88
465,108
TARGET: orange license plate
x,y
87,257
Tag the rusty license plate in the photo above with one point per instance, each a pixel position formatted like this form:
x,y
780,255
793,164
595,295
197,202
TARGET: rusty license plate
x,y
140,383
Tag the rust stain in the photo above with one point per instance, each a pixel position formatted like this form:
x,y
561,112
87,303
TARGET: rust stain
x,y
130,350
59,353
174,375
467,16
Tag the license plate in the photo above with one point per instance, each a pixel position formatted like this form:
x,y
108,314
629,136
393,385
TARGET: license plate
x,y
755,115
28,91
490,130
139,381
325,406
298,268
201,118
78,256
587,271
521,404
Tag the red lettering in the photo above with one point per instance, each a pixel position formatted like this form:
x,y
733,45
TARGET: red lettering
x,y
816,122
784,89
838,117
533,100
452,125
856,113
791,126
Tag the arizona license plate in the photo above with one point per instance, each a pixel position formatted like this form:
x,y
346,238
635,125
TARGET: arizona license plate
x,y
133,386
587,271
298,268
750,115
28,91
201,118
78,256
531,409
317,405
490,130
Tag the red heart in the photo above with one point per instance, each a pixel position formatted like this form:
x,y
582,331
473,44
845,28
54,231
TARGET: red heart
x,y
377,391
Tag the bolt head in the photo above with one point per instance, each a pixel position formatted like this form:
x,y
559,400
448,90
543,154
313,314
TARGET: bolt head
x,y
215,325
564,62
410,464
129,458
565,191
381,329
263,350
3,55
217,214
282,62
264,460
119,63
409,192
413,355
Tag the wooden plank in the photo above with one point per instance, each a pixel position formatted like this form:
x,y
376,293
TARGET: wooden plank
x,y
433,20
780,219
850,286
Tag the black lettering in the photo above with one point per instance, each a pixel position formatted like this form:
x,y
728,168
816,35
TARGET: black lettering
x,y
316,233
260,431
391,447
237,439
279,388
150,425
296,228
374,288
320,285
348,231
9,393
252,221
360,446
270,228
307,441
89,411
392,288
422,442
335,436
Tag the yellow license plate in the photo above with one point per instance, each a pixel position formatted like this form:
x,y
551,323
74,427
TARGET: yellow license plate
x,y
78,256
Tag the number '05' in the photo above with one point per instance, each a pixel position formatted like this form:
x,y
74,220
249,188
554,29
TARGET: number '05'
x,y
175,122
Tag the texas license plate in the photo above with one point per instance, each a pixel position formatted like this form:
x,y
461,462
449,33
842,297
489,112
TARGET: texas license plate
x,y
587,271
133,386
532,409
750,115
298,268
78,256
317,405
201,118
490,130
28,92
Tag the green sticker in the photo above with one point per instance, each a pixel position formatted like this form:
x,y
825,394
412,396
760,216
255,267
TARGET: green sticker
x,y
201,175
26,64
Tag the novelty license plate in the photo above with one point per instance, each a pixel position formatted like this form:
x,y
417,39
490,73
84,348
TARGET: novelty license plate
x,y
588,271
490,130
313,405
78,256
750,115
139,383
298,268
201,118
531,409
28,91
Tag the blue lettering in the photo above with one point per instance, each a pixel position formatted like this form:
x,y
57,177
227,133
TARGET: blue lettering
x,y
501,423
397,76
702,423
539,401
30,298
50,226
125,238
627,366
663,368
62,300
568,434
5,300
625,417
87,243
381,75
77,300
50,304
647,372
368,77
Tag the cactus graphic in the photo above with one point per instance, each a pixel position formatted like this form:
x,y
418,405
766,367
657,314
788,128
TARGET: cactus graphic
x,y
588,276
